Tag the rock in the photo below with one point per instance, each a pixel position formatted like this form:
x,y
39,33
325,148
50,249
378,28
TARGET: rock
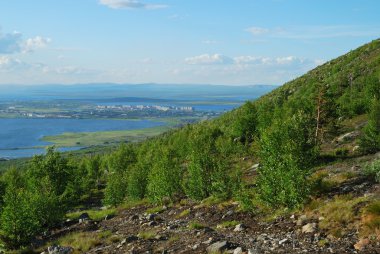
x,y
355,148
348,136
228,213
150,217
132,238
160,237
83,217
283,241
238,250
253,251
261,238
254,167
361,244
301,220
134,217
108,217
309,228
56,249
196,246
217,247
321,218
239,228
152,223
209,241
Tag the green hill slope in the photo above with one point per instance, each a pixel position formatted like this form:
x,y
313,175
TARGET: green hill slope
x,y
282,151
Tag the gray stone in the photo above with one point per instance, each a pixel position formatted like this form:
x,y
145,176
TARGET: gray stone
x,y
239,228
150,217
217,247
209,241
196,246
60,250
309,228
238,250
134,217
301,220
348,136
253,251
84,217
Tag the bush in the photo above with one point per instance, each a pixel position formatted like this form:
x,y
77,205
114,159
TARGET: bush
x,y
287,151
116,189
372,170
19,221
164,179
370,140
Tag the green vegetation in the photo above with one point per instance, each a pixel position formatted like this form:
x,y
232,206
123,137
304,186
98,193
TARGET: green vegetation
x,y
96,215
228,224
147,235
283,131
86,139
372,170
370,140
196,225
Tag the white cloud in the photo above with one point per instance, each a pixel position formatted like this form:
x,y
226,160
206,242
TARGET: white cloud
x,y
131,4
207,59
35,43
257,30
9,64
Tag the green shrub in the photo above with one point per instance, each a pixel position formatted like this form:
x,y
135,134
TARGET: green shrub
x,y
164,180
287,151
373,170
370,140
116,189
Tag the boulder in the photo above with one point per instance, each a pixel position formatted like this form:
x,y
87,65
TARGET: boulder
x,y
239,228
218,247
56,249
309,228
238,250
301,220
361,244
348,136
84,217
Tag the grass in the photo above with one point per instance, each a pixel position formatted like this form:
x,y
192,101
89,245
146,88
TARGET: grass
x,y
228,224
174,239
373,170
85,139
96,215
147,235
184,213
371,220
340,215
196,225
158,209
82,241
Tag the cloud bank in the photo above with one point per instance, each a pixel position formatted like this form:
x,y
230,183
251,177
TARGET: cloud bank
x,y
131,4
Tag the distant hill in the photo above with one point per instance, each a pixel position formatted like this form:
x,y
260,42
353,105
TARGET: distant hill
x,y
154,91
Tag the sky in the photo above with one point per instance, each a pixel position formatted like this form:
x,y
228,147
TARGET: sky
x,y
229,42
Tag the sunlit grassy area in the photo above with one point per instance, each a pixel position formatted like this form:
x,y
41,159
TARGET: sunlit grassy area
x,y
94,214
85,139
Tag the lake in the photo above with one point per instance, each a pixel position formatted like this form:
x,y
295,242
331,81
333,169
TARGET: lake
x,y
19,137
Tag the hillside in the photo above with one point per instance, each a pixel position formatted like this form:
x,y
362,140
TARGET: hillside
x,y
295,171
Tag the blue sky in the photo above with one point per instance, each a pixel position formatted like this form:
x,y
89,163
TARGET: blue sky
x,y
235,42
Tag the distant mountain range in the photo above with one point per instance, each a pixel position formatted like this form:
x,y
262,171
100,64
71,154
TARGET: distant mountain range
x,y
154,91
